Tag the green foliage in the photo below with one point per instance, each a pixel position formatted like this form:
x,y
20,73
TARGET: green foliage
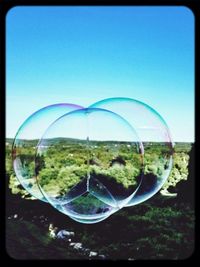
x,y
28,241
123,175
179,171
70,176
65,164
160,228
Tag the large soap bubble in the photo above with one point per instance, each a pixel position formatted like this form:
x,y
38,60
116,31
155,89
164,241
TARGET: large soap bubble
x,y
26,140
155,136
89,164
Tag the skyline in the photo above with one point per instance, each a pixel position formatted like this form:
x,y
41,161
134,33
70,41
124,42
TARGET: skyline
x,y
81,55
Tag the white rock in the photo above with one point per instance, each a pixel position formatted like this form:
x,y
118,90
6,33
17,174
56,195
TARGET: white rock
x,y
78,246
52,234
93,254
62,234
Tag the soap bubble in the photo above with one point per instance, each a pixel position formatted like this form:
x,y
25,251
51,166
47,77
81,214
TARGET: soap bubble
x,y
88,217
25,142
155,136
90,220
89,164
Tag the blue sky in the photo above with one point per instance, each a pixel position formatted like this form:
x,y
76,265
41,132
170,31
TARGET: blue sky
x,y
84,54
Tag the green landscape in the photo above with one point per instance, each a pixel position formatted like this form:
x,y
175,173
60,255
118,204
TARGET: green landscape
x,y
160,228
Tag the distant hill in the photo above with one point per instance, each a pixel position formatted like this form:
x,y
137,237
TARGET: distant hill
x,y
179,146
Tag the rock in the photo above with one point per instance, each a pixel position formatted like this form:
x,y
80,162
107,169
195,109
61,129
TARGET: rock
x,y
52,234
52,230
93,254
78,246
86,251
63,234
102,257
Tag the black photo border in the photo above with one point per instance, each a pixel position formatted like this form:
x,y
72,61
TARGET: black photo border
x,y
5,6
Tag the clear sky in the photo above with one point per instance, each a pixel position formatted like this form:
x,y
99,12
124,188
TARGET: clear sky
x,y
84,54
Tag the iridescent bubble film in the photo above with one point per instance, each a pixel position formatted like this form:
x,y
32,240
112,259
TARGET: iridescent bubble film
x,y
26,140
101,166
90,162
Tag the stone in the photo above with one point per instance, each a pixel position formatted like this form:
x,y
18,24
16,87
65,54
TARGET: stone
x,y
63,234
102,257
93,254
78,246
